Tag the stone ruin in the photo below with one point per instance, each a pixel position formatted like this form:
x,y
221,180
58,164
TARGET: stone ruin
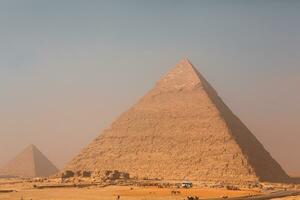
x,y
115,175
71,174
108,175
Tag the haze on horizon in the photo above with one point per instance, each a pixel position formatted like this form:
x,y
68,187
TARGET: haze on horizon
x,y
69,68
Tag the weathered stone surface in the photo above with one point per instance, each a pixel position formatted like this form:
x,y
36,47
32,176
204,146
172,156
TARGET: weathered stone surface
x,y
115,175
28,164
86,174
181,129
67,174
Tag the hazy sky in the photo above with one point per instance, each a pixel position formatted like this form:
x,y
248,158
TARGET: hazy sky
x,y
68,68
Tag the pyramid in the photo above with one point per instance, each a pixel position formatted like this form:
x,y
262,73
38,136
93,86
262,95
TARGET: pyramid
x,y
28,164
181,129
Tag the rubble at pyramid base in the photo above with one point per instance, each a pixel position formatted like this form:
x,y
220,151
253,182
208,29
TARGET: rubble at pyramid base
x,y
113,183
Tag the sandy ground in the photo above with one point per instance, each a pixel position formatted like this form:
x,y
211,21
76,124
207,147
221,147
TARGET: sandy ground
x,y
125,192
25,190
289,198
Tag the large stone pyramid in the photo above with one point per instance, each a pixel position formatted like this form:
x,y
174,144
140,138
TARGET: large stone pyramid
x,y
181,129
28,164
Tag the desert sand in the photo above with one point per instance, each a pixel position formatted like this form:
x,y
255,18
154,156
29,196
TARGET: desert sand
x,y
27,191
111,193
79,188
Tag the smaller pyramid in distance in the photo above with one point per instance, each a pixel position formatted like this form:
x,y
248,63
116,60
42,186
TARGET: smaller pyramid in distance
x,y
29,163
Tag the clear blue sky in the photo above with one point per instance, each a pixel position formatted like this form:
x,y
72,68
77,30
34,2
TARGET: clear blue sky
x,y
68,68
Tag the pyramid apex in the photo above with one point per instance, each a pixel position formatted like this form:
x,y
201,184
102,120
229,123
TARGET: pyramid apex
x,y
186,62
182,76
31,147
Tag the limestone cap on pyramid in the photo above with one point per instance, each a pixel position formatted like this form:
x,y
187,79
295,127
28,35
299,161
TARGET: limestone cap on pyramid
x,y
182,76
